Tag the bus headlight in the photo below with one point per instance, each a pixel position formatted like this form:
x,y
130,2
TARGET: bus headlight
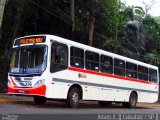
x,y
39,83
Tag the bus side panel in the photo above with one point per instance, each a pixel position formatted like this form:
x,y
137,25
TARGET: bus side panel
x,y
92,90
121,95
96,87
147,97
57,91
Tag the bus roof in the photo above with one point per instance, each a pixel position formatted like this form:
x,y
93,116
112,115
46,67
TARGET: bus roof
x,y
85,47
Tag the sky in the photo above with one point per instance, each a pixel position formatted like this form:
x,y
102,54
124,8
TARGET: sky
x,y
155,9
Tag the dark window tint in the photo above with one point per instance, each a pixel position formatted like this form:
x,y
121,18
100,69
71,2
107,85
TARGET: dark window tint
x,y
131,70
77,57
59,57
153,75
142,73
92,61
119,67
106,64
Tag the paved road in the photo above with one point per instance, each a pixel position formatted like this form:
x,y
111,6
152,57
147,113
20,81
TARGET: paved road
x,y
24,105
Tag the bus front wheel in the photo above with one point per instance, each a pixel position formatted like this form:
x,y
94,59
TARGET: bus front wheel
x,y
73,98
39,100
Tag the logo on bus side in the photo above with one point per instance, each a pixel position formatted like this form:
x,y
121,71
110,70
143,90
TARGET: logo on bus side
x,y
82,75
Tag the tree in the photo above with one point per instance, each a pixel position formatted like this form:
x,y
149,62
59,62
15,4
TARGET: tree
x,y
13,24
105,24
133,34
157,19
72,7
153,57
91,23
147,7
153,40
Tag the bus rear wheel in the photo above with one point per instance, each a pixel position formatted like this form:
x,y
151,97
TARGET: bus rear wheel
x,y
132,101
73,98
39,100
105,103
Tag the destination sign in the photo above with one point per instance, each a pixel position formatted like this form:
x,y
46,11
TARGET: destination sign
x,y
29,40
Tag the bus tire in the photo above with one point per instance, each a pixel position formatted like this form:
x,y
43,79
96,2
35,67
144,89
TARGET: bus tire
x,y
105,103
73,98
132,101
39,100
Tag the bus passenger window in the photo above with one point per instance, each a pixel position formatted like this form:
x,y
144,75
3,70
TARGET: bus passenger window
x,y
77,57
92,61
153,75
119,67
59,57
142,73
106,64
131,70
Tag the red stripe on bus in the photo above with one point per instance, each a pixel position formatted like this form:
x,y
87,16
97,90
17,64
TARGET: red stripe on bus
x,y
110,75
13,82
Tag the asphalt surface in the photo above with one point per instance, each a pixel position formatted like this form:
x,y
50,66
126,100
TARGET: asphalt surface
x,y
88,110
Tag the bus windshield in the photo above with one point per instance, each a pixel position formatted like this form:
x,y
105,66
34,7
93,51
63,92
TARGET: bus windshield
x,y
29,59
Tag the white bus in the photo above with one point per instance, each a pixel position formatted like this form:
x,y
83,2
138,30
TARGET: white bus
x,y
51,67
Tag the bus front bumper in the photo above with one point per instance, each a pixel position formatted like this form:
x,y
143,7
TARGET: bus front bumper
x,y
39,91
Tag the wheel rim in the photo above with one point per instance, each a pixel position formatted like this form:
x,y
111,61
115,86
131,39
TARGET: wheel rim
x,y
75,98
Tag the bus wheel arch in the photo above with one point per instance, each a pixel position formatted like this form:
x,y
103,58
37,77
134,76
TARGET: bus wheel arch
x,y
133,98
74,96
